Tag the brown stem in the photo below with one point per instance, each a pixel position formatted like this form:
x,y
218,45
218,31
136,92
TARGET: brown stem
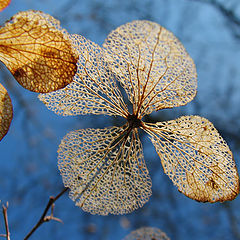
x,y
4,209
45,218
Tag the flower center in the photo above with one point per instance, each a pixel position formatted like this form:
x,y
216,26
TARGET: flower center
x,y
133,121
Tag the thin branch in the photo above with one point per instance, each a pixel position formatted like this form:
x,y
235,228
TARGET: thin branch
x,y
44,218
4,210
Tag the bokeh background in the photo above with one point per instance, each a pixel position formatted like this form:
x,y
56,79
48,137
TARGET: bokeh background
x,y
210,31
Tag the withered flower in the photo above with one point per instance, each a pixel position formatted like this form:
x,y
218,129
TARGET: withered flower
x,y
104,168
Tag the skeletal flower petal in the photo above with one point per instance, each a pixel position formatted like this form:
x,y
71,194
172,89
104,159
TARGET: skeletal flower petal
x,y
196,158
153,66
4,4
147,233
37,51
6,111
105,170
93,89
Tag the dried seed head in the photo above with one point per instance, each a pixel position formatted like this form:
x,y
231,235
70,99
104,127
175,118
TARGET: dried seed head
x,y
6,111
37,51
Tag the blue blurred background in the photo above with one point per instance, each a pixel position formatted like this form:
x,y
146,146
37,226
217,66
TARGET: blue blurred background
x,y
210,31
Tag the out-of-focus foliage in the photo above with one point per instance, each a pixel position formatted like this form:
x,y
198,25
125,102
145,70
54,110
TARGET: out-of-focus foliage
x,y
37,51
105,169
6,111
147,233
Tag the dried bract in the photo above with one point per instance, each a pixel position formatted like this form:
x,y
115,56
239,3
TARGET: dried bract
x,y
104,168
147,233
152,66
93,89
37,51
4,4
6,111
196,158
93,165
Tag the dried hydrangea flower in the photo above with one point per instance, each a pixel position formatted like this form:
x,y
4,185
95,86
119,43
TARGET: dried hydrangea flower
x,y
37,51
6,111
147,233
4,4
104,168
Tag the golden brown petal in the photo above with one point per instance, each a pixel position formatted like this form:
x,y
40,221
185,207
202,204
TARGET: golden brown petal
x,y
105,170
196,158
152,66
37,51
147,233
6,111
4,4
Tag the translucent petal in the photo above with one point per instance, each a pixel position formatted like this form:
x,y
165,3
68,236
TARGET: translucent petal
x,y
152,65
6,111
37,51
4,4
196,158
147,233
93,89
105,170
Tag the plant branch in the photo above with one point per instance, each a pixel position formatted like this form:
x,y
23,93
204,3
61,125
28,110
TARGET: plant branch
x,y
4,210
44,218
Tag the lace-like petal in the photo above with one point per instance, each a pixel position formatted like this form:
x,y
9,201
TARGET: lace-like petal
x,y
105,170
6,111
153,66
93,89
147,233
37,51
196,158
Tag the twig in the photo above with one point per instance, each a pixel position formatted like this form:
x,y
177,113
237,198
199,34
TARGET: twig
x,y
45,218
4,210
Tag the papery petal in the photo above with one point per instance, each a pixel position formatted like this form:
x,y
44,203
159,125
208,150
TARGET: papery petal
x,y
4,4
153,66
196,158
37,51
147,233
6,111
93,89
105,170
